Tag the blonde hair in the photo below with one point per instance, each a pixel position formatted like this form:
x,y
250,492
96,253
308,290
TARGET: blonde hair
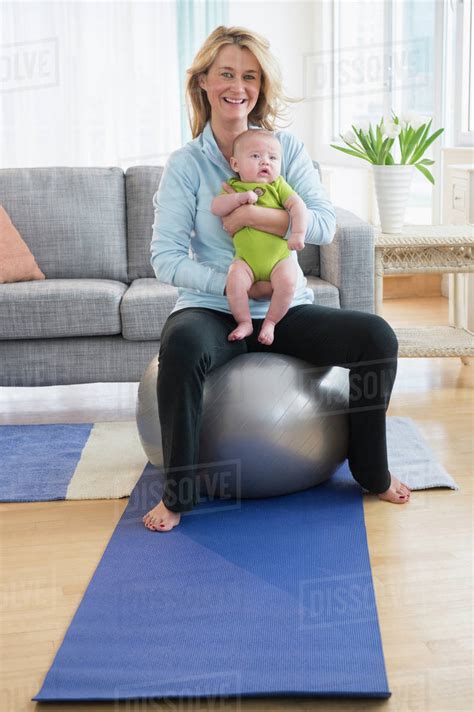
x,y
272,102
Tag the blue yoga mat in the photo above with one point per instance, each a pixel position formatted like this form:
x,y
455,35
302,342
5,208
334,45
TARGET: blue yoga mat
x,y
267,597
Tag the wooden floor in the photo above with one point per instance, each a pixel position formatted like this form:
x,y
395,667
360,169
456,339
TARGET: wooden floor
x,y
421,553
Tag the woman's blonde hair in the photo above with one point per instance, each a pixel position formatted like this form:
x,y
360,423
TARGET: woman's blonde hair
x,y
272,102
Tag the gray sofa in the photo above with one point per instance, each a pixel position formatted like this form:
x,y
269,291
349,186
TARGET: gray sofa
x,y
99,313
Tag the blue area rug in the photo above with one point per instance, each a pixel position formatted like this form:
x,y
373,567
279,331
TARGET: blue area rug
x,y
38,461
69,461
268,597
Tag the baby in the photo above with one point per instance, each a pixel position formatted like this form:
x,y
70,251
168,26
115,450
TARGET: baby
x,y
256,157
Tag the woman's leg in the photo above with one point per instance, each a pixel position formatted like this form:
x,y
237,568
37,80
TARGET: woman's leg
x,y
366,344
193,342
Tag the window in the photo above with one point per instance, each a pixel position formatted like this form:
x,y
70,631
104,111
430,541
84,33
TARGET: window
x,y
384,59
470,121
464,71
360,63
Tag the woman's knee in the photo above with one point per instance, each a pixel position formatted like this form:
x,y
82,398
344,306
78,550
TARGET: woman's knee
x,y
183,348
381,339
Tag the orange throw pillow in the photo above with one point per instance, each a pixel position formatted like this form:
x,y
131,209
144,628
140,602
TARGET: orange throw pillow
x,y
17,264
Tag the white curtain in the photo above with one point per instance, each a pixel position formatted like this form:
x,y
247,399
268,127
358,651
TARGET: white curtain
x,y
196,20
88,83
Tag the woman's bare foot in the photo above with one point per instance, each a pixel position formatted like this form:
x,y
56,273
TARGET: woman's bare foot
x,y
398,493
161,519
243,329
267,332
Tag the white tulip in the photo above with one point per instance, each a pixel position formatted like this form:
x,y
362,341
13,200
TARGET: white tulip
x,y
363,125
350,137
411,118
391,130
406,118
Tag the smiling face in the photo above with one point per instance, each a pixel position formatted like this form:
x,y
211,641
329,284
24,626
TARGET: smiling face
x,y
232,84
257,158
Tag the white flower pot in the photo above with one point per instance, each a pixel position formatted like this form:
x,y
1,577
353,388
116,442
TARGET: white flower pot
x,y
392,188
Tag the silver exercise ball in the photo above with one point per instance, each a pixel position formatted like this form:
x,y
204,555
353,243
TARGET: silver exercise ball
x,y
271,425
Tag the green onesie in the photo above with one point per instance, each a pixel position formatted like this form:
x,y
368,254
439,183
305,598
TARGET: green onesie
x,y
262,250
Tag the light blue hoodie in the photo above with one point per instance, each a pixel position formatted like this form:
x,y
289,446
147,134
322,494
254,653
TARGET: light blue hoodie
x,y
191,250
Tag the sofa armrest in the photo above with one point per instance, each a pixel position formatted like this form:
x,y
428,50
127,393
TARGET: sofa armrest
x,y
348,261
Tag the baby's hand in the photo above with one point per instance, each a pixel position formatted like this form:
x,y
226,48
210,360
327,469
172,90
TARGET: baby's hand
x,y
249,197
296,241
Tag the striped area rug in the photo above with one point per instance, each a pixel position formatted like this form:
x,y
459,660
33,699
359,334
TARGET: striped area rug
x,y
41,463
69,461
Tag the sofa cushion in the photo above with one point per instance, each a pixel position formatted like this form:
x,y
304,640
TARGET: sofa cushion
x,y
72,219
60,307
308,260
17,264
325,293
141,184
145,307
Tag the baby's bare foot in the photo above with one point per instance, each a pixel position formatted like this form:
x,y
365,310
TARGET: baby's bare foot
x,y
161,519
243,329
267,332
398,493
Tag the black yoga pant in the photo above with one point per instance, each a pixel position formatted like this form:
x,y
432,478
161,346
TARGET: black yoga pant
x,y
194,341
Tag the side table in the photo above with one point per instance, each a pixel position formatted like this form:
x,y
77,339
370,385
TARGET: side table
x,y
427,248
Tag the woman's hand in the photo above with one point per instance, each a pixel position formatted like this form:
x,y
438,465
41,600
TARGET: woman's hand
x,y
261,290
236,220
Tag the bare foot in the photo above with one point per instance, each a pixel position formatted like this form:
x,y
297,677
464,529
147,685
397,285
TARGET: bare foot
x,y
243,329
161,519
398,493
267,332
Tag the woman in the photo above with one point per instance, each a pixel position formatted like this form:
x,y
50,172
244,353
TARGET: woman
x,y
235,84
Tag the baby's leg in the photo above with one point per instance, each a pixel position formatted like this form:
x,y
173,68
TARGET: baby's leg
x,y
283,279
239,280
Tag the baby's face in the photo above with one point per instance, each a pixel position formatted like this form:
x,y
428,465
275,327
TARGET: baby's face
x,y
257,159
